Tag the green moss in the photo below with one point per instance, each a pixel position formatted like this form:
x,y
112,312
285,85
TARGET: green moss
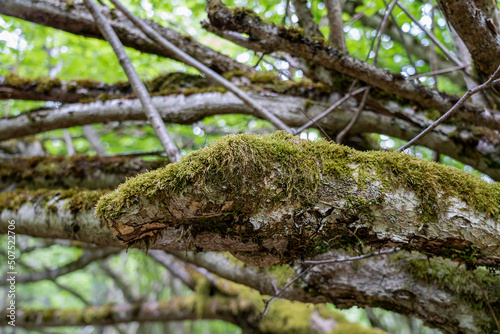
x,y
458,279
259,173
53,171
78,199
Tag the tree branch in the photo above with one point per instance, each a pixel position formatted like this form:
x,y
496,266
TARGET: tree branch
x,y
472,147
306,20
204,69
271,37
139,88
76,19
335,22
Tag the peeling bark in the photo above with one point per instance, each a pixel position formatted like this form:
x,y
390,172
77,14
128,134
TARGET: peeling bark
x,y
391,282
245,197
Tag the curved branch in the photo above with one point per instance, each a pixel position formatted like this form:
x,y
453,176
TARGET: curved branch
x,y
51,274
268,36
481,151
229,193
409,284
306,20
477,26
74,18
78,171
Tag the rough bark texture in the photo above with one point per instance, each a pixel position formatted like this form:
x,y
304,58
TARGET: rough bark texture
x,y
78,171
444,296
276,199
76,19
477,29
477,148
292,41
336,196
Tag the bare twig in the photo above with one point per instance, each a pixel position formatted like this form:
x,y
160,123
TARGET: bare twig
x,y
355,258
433,73
380,32
335,23
450,112
215,77
361,105
138,86
269,301
433,54
306,20
330,109
357,113
93,137
69,143
273,283
430,35
486,299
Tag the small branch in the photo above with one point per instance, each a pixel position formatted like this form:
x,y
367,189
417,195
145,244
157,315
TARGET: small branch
x,y
93,137
335,24
71,291
69,143
51,274
347,259
330,109
306,20
215,77
353,121
486,299
139,87
430,35
269,301
433,73
126,289
450,112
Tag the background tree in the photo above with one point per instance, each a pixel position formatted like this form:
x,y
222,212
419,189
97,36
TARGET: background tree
x,y
392,232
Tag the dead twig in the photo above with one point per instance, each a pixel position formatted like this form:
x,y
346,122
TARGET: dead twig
x,y
450,112
211,75
136,83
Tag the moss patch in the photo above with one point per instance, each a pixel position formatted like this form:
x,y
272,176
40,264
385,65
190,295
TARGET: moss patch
x,y
53,170
236,159
78,199
241,175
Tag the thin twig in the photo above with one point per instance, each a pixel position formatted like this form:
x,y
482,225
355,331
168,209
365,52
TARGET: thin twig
x,y
69,143
215,77
361,105
430,35
433,53
269,301
433,73
486,299
319,126
136,83
450,112
354,119
356,258
93,138
273,283
258,61
330,109
383,24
